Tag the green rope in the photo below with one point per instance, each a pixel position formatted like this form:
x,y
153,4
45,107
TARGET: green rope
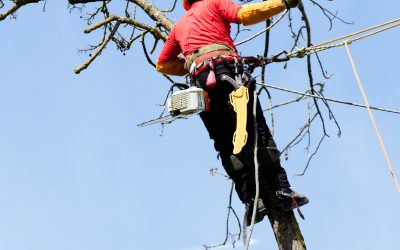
x,y
303,52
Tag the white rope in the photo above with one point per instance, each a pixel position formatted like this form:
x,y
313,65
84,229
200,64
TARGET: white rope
x,y
372,117
256,167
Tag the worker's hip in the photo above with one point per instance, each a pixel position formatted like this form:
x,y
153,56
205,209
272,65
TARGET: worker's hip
x,y
223,67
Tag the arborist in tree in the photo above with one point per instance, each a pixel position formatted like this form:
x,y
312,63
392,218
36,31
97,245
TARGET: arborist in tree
x,y
202,35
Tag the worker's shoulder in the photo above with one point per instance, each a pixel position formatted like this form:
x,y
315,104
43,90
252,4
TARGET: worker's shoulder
x,y
182,21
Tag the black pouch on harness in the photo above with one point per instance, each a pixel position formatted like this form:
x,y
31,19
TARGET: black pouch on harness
x,y
220,68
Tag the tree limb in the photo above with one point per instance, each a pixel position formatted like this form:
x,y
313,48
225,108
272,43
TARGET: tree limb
x,y
86,64
17,4
154,13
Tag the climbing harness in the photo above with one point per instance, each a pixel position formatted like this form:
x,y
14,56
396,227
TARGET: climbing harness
x,y
201,57
209,56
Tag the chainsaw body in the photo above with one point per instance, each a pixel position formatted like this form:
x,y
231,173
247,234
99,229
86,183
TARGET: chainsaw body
x,y
187,101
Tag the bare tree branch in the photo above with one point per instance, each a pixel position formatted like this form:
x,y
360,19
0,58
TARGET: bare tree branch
x,y
154,13
86,64
309,67
236,236
17,4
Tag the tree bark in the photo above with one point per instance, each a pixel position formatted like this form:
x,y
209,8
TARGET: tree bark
x,y
284,224
154,13
286,229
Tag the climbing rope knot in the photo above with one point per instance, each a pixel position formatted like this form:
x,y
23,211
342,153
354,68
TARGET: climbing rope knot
x,y
299,53
347,42
302,52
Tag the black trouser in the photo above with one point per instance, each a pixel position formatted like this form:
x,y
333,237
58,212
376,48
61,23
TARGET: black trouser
x,y
220,122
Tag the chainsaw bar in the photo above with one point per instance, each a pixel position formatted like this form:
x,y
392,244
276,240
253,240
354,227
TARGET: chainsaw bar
x,y
163,120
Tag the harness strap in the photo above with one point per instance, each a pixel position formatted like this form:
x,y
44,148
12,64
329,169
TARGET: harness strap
x,y
198,68
202,56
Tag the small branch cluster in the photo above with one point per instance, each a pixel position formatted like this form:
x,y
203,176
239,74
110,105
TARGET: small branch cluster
x,y
122,30
114,27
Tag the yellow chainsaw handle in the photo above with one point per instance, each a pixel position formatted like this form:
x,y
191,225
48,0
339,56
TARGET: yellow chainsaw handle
x,y
239,99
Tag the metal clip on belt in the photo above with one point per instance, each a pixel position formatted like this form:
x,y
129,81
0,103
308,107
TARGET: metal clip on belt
x,y
239,99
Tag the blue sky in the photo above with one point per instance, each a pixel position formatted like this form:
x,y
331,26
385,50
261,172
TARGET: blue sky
x,y
77,173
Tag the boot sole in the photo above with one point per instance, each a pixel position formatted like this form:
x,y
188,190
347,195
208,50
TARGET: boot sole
x,y
288,205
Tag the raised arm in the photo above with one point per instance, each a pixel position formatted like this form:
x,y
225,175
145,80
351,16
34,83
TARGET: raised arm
x,y
257,12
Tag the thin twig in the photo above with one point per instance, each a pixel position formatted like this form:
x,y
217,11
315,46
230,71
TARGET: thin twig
x,y
331,16
309,66
230,209
173,7
86,64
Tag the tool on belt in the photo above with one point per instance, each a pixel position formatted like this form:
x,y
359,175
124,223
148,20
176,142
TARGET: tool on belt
x,y
239,99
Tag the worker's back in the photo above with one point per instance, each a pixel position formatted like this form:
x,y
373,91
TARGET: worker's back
x,y
207,21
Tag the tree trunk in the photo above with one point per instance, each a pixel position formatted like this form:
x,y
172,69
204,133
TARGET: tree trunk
x,y
286,229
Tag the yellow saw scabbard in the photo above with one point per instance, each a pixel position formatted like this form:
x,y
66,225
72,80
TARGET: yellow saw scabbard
x,y
239,99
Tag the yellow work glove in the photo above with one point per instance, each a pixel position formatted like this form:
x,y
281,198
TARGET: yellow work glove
x,y
175,67
257,12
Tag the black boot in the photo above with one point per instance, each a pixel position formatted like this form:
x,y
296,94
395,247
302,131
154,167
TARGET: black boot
x,y
241,169
278,182
260,212
290,199
276,178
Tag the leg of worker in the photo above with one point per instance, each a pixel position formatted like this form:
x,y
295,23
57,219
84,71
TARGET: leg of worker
x,y
220,122
221,126
271,171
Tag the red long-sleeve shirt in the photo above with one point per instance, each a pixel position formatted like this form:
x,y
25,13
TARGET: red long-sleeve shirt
x,y
207,21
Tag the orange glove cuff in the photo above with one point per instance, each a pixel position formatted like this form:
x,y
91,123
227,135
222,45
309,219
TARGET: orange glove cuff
x,y
257,12
175,67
